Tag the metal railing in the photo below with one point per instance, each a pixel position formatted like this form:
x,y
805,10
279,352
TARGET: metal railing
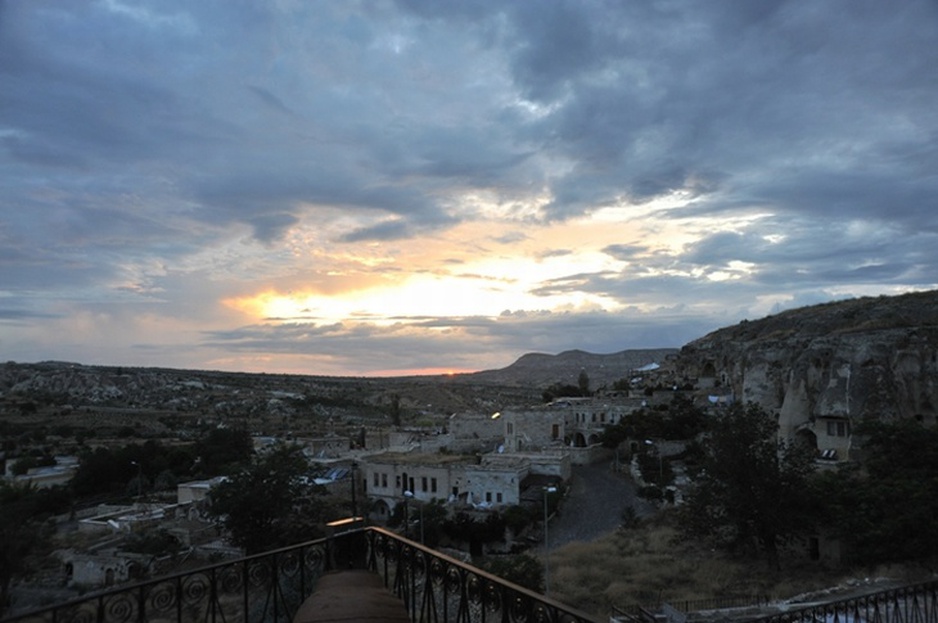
x,y
439,589
264,587
270,587
917,603
688,606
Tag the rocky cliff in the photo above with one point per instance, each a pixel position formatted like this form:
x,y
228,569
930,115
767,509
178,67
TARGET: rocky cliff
x,y
843,361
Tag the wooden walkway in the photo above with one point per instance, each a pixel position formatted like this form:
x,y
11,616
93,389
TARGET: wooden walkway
x,y
353,595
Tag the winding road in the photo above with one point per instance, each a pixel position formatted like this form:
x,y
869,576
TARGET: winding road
x,y
594,504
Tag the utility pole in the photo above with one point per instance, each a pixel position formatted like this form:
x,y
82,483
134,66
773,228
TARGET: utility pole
x,y
547,543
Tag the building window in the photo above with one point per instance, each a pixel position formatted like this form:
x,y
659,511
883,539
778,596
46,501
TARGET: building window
x,y
384,480
594,417
602,417
433,485
397,481
837,428
423,484
498,497
376,479
555,431
488,496
511,428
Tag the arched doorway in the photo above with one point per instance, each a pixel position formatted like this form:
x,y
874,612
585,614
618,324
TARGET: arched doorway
x,y
806,438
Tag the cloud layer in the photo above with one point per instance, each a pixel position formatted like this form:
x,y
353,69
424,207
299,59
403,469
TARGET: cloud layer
x,y
378,187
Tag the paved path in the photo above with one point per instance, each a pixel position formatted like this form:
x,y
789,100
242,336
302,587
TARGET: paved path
x,y
349,596
594,505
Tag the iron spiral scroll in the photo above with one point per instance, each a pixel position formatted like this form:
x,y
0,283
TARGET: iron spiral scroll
x,y
271,586
436,588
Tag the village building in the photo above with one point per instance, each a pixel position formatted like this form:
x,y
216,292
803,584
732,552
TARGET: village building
x,y
105,568
488,481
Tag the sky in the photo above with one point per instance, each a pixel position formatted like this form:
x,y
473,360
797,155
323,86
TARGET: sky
x,y
357,187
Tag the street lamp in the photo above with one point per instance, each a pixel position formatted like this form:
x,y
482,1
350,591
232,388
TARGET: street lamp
x,y
547,543
354,503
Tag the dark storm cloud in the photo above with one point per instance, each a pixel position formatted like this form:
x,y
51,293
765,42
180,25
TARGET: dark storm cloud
x,y
140,141
699,98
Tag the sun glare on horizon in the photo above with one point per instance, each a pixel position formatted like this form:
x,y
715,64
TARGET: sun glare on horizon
x,y
477,269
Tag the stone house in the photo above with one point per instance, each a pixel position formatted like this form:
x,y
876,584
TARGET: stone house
x,y
487,481
105,568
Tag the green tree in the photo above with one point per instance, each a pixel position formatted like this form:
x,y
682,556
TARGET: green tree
x,y
881,509
222,450
561,390
464,527
394,409
679,419
270,503
752,489
683,419
22,509
517,518
583,382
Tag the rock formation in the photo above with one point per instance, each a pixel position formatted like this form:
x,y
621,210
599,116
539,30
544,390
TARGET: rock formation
x,y
825,368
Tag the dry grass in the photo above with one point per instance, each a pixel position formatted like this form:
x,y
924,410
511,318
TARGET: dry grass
x,y
648,564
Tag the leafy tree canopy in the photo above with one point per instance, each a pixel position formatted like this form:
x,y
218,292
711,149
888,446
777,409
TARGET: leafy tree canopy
x,y
562,390
679,419
583,383
129,470
752,489
883,510
22,533
271,503
223,449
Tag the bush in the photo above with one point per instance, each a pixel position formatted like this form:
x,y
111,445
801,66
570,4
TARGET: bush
x,y
521,569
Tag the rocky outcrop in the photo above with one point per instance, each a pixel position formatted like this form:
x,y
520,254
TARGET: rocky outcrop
x,y
849,360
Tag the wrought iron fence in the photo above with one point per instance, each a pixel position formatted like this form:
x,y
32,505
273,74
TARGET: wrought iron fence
x,y
270,587
917,603
436,588
266,587
691,605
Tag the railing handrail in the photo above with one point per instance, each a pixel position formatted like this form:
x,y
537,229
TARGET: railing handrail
x,y
491,577
696,605
807,612
333,552
134,586
326,543
865,600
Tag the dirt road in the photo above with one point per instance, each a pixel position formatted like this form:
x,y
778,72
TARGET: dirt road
x,y
594,505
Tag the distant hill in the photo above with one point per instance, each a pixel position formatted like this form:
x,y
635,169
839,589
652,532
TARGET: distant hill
x,y
541,370
865,357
